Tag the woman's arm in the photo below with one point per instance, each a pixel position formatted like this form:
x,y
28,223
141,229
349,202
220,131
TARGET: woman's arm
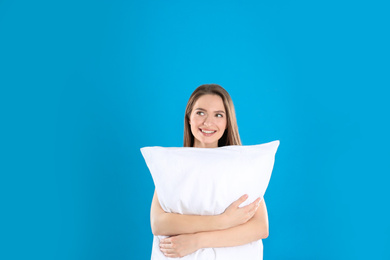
x,y
256,228
169,224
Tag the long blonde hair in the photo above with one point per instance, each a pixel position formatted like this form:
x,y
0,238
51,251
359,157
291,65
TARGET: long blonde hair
x,y
231,135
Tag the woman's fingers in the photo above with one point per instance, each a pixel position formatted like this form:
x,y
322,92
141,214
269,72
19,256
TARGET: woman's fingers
x,y
171,255
251,208
240,200
167,250
165,245
255,204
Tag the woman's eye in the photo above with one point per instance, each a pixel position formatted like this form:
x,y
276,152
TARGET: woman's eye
x,y
219,115
200,113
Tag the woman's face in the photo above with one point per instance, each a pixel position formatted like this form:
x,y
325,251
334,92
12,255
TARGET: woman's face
x,y
208,121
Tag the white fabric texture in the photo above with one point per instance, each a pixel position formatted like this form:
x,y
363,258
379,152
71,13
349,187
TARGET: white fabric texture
x,y
205,181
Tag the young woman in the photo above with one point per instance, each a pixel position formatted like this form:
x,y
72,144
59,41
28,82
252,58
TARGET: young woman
x,y
210,122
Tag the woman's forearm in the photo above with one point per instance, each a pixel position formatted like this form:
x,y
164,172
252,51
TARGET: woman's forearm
x,y
170,224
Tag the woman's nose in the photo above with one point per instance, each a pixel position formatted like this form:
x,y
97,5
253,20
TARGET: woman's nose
x,y
208,121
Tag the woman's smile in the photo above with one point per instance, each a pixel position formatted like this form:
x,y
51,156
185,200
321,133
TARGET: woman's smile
x,y
207,132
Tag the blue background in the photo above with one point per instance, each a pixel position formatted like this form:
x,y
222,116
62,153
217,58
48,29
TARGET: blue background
x,y
85,84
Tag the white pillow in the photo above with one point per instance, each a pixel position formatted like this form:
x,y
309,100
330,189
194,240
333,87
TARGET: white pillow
x,y
205,181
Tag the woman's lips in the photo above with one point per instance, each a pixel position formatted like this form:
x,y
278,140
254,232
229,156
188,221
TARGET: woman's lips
x,y
207,132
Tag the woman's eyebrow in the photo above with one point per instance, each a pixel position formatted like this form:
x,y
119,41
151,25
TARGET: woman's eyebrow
x,y
218,111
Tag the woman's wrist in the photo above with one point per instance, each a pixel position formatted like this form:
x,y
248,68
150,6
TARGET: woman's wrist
x,y
222,221
199,240
226,221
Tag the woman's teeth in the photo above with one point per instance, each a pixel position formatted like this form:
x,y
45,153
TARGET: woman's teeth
x,y
207,132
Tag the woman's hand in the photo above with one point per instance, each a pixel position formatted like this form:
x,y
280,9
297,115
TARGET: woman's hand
x,y
180,245
234,216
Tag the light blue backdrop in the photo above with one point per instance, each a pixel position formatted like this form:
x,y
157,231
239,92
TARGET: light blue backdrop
x,y
85,84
